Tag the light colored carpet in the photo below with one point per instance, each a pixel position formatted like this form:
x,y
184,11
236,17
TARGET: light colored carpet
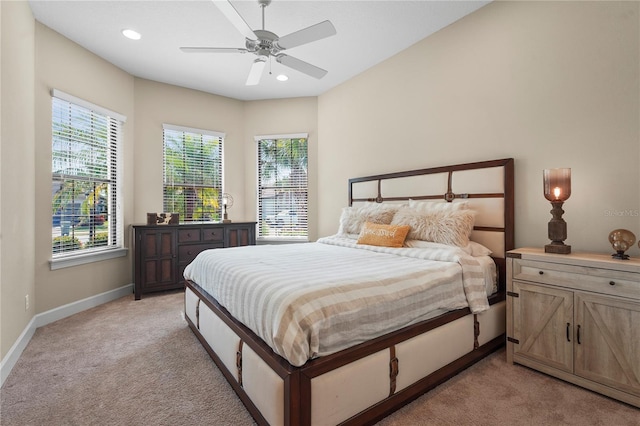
x,y
137,363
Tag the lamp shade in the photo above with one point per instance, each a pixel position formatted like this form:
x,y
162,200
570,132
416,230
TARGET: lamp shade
x,y
557,184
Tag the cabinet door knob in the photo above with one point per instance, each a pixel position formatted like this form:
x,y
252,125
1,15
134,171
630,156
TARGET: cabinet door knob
x,y
541,272
612,283
189,252
189,234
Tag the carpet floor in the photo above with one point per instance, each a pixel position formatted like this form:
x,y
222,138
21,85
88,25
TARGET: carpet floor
x,y
133,362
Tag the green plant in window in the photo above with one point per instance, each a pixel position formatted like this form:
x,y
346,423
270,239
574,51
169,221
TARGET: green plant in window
x,y
66,243
100,239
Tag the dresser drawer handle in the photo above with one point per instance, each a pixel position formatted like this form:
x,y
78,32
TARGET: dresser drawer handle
x,y
189,252
612,283
541,272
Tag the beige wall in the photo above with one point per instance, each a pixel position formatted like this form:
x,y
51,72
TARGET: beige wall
x,y
63,65
552,84
158,104
16,171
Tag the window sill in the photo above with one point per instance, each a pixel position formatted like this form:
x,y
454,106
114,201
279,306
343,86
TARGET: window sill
x,y
261,241
81,259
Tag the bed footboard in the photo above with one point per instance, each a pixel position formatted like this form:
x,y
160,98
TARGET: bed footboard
x,y
359,385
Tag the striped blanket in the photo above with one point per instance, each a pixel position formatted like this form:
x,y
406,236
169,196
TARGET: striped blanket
x,y
314,299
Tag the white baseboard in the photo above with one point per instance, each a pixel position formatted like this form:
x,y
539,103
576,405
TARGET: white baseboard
x,y
82,305
10,360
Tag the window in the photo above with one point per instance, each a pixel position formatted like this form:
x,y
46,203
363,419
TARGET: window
x,y
86,213
193,173
282,187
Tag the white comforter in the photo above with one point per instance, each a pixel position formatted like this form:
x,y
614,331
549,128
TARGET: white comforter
x,y
313,299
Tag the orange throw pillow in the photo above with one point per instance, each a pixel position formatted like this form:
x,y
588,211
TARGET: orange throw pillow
x,y
376,234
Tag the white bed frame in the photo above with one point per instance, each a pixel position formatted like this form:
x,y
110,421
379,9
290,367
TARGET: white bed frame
x,y
365,383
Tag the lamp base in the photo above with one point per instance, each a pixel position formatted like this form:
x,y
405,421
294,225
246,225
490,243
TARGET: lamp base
x,y
557,248
226,220
620,255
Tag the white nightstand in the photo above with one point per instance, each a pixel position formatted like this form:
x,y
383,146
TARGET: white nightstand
x,y
576,317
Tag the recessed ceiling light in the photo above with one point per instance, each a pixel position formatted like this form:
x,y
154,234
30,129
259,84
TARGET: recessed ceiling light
x,y
133,35
282,77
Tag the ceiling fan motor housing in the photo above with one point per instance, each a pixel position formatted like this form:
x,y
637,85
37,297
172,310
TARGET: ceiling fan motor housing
x,y
265,45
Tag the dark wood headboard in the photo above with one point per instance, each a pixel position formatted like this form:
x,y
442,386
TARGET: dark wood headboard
x,y
487,185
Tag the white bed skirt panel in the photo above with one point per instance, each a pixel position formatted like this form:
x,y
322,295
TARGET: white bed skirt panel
x,y
344,392
422,355
492,322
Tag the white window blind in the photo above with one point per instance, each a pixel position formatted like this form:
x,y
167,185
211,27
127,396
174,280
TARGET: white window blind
x,y
193,173
282,187
86,213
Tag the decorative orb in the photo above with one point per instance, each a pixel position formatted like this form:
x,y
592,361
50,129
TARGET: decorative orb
x,y
227,200
621,240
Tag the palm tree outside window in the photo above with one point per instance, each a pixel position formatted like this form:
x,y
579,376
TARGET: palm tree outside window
x,y
192,183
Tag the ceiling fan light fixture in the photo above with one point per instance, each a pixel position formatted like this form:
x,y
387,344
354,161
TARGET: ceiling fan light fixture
x,y
256,71
131,34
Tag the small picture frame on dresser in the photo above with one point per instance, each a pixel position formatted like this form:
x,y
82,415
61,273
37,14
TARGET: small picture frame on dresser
x,y
163,218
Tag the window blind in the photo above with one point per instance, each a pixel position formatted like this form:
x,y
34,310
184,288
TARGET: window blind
x,y
86,214
193,173
282,187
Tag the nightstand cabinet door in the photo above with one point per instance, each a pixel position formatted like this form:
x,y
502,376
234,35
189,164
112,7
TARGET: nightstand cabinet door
x,y
608,345
542,325
238,235
156,260
576,317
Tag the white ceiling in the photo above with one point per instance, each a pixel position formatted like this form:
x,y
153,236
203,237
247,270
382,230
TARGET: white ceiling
x,y
368,32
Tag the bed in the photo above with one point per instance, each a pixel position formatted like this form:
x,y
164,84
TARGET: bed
x,y
320,354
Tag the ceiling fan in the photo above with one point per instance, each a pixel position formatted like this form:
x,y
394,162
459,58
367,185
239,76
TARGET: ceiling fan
x,y
265,44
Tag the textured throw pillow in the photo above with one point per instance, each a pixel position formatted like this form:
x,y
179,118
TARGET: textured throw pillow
x,y
353,218
445,227
438,205
375,234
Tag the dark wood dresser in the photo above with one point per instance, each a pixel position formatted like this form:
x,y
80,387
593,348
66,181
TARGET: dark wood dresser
x,y
163,251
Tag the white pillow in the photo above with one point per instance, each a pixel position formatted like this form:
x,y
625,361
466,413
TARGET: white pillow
x,y
451,227
438,205
477,249
353,218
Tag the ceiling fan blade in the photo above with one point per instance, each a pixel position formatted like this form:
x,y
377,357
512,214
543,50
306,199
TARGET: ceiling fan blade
x,y
213,50
234,17
256,71
302,66
306,35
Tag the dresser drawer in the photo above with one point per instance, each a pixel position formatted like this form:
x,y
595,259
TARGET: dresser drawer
x,y
189,235
188,252
213,234
599,280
